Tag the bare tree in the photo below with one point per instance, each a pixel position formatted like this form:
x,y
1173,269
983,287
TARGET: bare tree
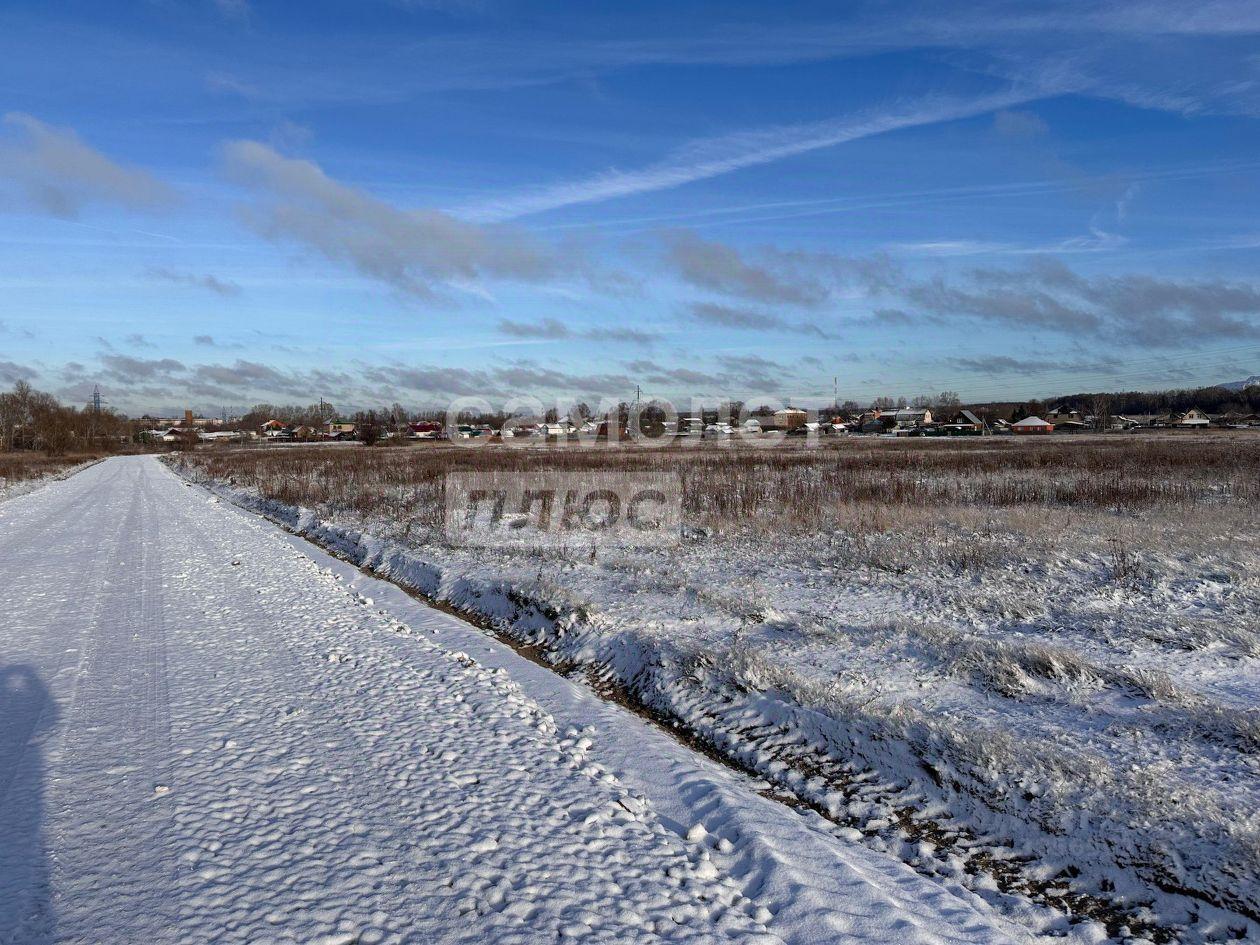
x,y
54,425
1100,407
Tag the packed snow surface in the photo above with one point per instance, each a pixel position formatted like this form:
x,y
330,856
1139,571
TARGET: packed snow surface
x,y
209,733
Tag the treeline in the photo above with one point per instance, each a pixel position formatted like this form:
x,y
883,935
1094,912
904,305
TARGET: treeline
x,y
1209,399
33,420
312,415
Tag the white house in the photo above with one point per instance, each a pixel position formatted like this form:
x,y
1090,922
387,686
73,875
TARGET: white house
x,y
1194,418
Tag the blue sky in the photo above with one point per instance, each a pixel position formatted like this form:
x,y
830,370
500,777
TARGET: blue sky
x,y
210,204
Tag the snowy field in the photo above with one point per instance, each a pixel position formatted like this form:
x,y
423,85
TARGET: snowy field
x,y
211,731
1029,670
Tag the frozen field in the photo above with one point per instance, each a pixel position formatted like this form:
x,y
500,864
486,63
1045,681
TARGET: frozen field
x,y
210,731
1029,670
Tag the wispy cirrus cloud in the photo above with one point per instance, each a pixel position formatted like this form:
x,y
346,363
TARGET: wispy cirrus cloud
x,y
999,364
23,333
551,329
728,374
726,316
712,157
547,329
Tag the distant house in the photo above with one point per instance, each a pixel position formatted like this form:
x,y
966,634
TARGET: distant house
x,y
1031,425
789,418
965,423
1119,422
1236,420
876,421
341,429
1064,413
274,428
1192,419
911,417
1073,426
426,430
176,435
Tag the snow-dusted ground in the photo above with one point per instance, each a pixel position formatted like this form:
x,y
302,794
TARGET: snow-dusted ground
x,y
12,488
211,732
1081,686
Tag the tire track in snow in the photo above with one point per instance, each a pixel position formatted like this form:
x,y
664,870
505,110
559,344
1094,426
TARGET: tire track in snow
x,y
48,643
56,513
374,798
111,741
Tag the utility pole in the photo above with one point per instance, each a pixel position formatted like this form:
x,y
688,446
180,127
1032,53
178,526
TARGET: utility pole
x,y
94,413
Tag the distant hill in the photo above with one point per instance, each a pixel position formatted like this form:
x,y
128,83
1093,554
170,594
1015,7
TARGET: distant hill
x,y
1253,381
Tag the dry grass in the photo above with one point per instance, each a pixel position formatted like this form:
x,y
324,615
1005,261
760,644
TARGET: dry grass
x,y
791,484
21,466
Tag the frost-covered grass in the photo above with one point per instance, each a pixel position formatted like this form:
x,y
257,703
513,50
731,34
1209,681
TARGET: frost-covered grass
x,y
1052,642
24,471
792,484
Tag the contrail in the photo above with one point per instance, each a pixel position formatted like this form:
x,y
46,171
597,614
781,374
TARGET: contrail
x,y
713,157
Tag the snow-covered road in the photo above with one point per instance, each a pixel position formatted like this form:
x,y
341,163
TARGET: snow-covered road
x,y
212,732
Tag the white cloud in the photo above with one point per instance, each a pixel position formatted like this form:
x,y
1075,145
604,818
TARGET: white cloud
x,y
58,174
